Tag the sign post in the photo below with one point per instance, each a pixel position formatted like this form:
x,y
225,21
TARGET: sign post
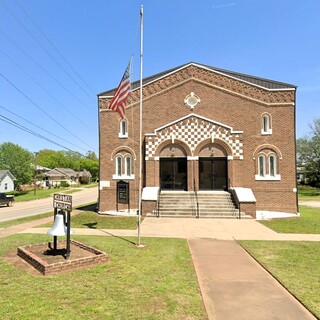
x,y
123,193
62,203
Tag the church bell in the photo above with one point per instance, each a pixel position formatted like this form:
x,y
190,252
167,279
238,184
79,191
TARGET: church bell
x,y
59,228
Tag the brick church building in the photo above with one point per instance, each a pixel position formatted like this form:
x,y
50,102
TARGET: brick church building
x,y
205,131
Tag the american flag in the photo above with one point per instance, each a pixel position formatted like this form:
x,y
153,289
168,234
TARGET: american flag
x,y
119,100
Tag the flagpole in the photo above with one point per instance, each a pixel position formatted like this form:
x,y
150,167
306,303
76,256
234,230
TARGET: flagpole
x,y
140,123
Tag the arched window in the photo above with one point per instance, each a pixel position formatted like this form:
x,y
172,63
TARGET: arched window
x,y
119,166
128,168
266,124
262,165
272,165
123,129
123,167
267,166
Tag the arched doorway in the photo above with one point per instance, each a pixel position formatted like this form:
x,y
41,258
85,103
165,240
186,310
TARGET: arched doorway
x,y
173,168
213,167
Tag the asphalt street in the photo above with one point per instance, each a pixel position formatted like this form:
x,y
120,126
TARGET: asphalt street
x,y
31,208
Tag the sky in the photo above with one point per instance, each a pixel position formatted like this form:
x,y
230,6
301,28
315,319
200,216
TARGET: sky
x,y
57,55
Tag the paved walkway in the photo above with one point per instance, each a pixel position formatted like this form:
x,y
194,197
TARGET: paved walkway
x,y
233,285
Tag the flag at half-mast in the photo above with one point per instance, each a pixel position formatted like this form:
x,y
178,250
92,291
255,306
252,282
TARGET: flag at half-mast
x,y
119,100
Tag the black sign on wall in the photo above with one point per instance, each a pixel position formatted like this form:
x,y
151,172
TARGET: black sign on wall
x,y
123,192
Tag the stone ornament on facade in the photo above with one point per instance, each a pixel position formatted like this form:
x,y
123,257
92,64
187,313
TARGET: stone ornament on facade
x,y
192,130
191,100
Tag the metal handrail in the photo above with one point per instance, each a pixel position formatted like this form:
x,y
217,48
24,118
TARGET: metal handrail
x,y
234,197
158,202
196,197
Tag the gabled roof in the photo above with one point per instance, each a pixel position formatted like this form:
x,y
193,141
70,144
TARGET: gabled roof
x,y
3,173
256,81
58,172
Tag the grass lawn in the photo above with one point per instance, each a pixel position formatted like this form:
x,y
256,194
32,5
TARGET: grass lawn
x,y
155,282
307,193
89,219
308,222
41,194
295,264
29,195
92,220
15,222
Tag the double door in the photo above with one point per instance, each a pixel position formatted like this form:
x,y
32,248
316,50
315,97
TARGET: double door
x,y
213,174
173,174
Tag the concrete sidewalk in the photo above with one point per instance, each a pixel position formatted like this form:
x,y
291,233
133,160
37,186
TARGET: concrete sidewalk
x,y
188,228
233,285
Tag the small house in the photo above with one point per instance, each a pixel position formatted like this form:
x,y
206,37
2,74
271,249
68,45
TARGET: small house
x,y
6,181
55,177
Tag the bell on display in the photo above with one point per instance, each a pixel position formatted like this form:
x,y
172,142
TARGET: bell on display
x,y
59,228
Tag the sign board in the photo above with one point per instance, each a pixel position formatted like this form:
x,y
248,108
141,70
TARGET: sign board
x,y
62,201
123,192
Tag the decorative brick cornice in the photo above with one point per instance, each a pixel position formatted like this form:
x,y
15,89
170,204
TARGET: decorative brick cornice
x,y
211,78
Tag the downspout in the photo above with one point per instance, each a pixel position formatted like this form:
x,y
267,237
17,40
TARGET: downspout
x,y
98,200
295,147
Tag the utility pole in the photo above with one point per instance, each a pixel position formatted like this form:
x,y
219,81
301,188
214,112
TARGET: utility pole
x,y
35,174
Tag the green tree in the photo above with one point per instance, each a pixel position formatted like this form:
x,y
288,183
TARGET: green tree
x,y
91,155
19,161
308,154
51,159
69,159
90,165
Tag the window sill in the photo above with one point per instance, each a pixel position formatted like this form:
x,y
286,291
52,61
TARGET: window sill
x,y
266,133
116,177
120,136
268,178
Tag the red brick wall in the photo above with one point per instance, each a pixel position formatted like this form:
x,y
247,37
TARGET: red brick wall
x,y
224,100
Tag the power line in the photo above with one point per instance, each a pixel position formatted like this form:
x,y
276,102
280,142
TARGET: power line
x,y
44,70
45,50
44,89
21,127
46,113
53,46
45,130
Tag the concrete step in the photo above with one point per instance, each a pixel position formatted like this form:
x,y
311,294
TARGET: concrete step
x,y
210,204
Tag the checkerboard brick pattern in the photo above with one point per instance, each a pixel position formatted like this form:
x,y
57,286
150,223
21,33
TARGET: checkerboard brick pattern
x,y
192,131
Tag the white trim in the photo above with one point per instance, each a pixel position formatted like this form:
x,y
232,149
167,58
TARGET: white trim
x,y
274,164
126,164
156,158
104,184
264,166
117,165
122,135
217,72
266,133
244,194
122,177
267,177
230,158
192,158
106,97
